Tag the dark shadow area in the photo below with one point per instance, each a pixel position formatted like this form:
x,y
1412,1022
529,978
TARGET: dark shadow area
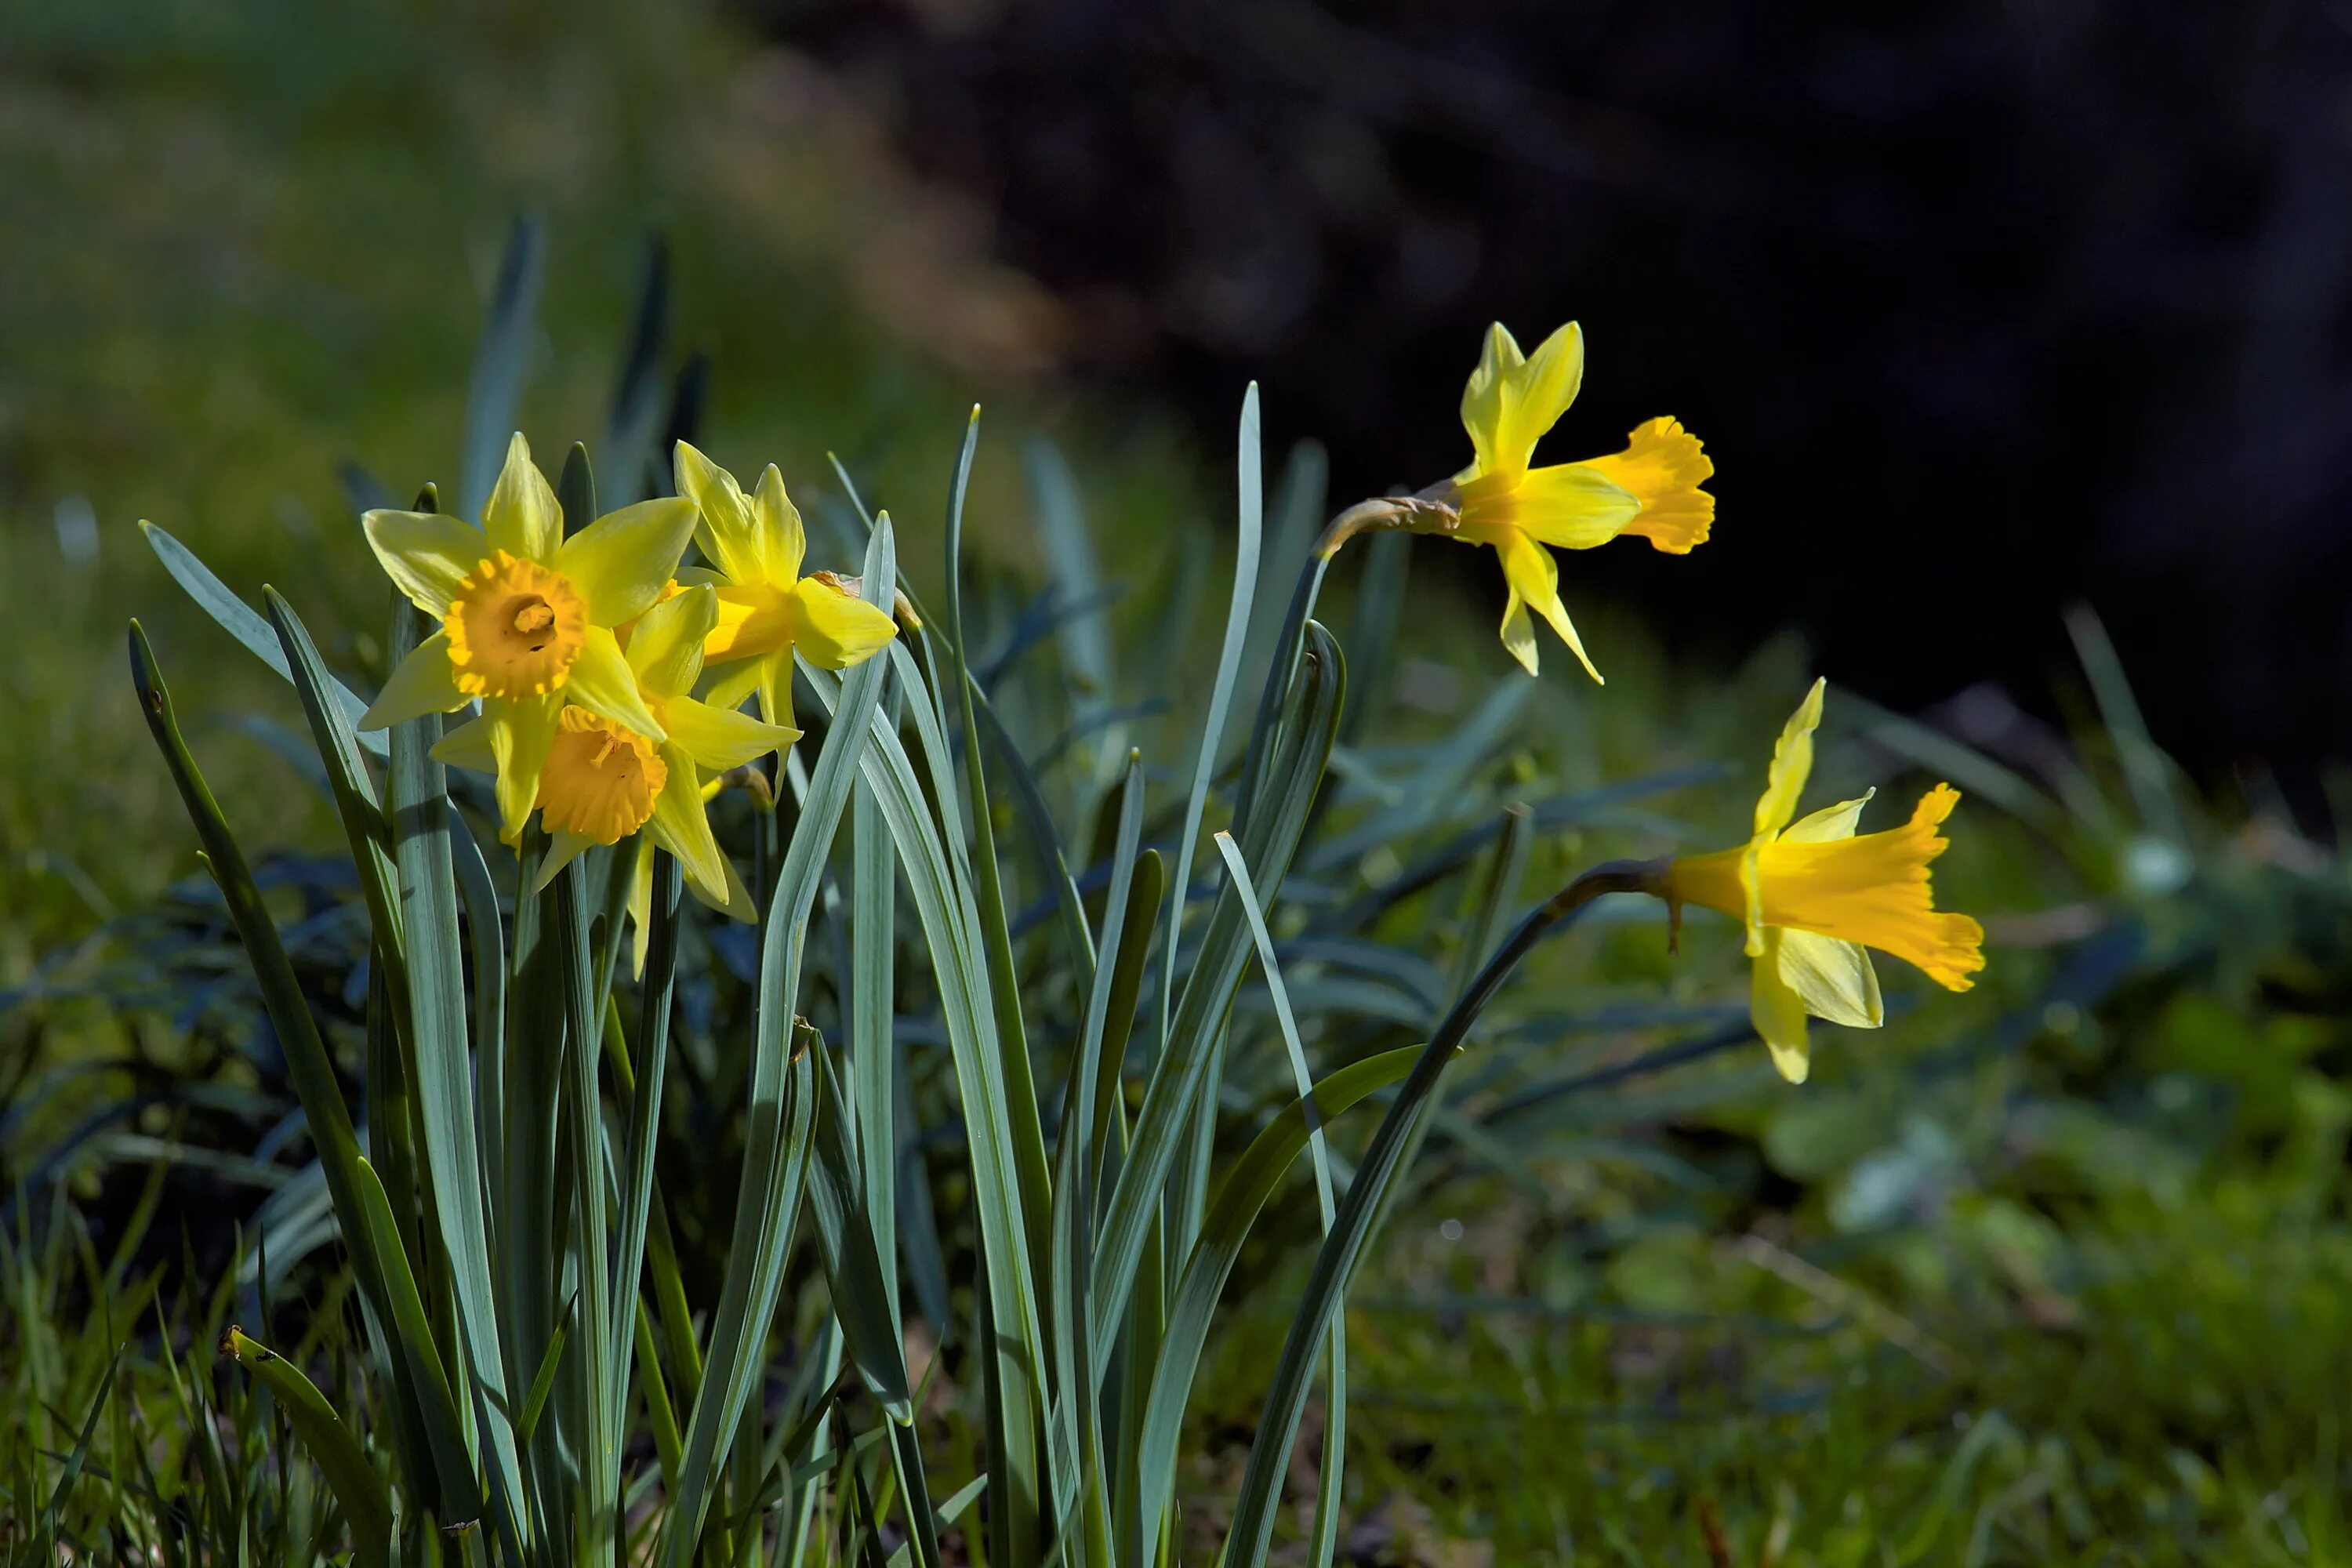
x,y
1981,309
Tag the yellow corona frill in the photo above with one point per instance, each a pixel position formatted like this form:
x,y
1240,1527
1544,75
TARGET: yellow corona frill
x,y
1651,489
767,610
1814,896
526,618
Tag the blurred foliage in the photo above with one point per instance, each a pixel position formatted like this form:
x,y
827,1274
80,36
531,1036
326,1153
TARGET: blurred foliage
x,y
2056,1272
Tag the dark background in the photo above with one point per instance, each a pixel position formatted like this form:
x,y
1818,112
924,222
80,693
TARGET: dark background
x,y
1981,309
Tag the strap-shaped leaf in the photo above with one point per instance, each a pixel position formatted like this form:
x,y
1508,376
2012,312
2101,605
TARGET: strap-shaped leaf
x,y
1235,1208
236,617
366,1504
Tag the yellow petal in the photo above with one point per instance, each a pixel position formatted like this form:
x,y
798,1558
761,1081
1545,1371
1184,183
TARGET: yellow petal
x,y
1792,764
640,902
1831,822
782,541
621,563
726,530
680,826
523,517
603,684
562,851
425,554
1665,465
1564,506
1534,576
776,688
1519,634
720,738
1510,402
1779,1013
467,746
666,648
1482,398
836,628
424,683
734,682
521,731
1833,977
752,620
736,904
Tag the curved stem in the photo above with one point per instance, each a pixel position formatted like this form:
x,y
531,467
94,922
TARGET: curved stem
x,y
1376,1175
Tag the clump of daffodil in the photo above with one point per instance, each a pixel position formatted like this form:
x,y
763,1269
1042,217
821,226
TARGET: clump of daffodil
x,y
1814,897
604,780
1522,512
767,610
527,620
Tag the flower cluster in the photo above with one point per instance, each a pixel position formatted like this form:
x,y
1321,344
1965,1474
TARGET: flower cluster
x,y
585,653
1812,894
611,677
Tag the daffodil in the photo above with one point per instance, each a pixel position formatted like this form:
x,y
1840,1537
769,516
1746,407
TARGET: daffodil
x,y
1651,489
767,610
526,619
604,780
1814,897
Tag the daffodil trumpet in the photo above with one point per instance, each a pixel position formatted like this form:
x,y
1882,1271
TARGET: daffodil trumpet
x,y
1651,489
1814,896
527,619
604,781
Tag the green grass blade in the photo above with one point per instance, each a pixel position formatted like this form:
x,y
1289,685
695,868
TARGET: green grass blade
x,y
945,910
781,1104
309,1068
1328,1482
1179,1076
1015,1075
457,1496
647,1075
367,1506
845,1240
423,830
873,1071
234,616
1360,1213
501,364
591,1442
354,790
1252,515
1247,1186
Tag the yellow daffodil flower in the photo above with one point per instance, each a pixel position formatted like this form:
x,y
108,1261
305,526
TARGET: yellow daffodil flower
x,y
1814,897
767,610
1651,489
527,618
604,780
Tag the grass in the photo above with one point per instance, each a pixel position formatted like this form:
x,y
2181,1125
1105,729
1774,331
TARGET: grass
x,y
2051,1273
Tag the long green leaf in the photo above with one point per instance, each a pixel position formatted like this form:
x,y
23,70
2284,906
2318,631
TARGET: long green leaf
x,y
313,1071
367,1506
1329,1480
945,910
845,1239
780,1105
1384,1162
1252,516
416,789
234,616
1269,839
1247,1186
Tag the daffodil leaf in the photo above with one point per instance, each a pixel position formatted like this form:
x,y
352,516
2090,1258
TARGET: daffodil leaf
x,y
238,618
